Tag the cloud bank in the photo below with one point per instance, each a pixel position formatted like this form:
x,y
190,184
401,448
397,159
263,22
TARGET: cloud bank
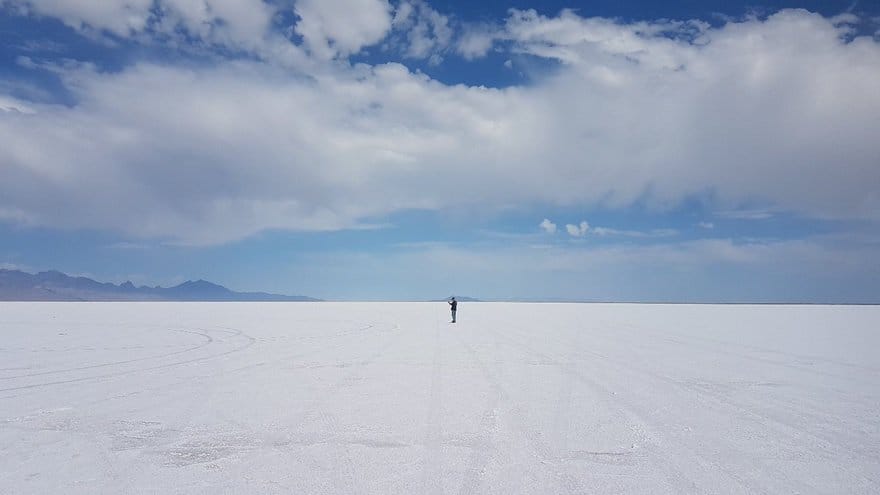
x,y
815,270
579,230
781,112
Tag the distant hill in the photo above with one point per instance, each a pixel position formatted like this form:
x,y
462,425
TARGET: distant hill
x,y
459,299
53,285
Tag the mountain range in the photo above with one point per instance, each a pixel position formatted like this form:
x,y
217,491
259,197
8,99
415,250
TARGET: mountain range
x,y
53,285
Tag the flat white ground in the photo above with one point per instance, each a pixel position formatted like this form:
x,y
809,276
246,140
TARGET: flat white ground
x,y
391,398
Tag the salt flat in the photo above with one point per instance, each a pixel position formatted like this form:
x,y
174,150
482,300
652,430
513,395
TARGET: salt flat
x,y
391,398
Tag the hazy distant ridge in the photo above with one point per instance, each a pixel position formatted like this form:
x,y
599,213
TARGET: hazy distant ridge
x,y
53,285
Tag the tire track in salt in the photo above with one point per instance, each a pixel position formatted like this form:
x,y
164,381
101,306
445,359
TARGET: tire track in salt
x,y
249,341
724,348
540,449
638,411
629,411
342,472
483,451
208,340
720,402
343,469
842,439
432,479
331,343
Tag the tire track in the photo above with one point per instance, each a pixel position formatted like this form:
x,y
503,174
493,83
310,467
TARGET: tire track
x,y
630,412
249,341
343,468
543,452
723,348
343,475
432,479
208,341
484,450
835,443
708,399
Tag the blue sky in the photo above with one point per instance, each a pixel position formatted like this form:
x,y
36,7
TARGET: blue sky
x,y
406,150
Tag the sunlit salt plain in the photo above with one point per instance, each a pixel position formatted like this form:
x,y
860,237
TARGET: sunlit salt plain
x,y
391,398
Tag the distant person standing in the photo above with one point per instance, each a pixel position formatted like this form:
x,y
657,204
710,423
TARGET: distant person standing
x,y
453,305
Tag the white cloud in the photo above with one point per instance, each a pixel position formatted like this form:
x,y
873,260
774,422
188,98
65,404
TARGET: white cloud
x,y
476,40
334,28
13,266
681,271
427,32
548,226
226,22
198,27
577,230
120,17
215,153
10,104
745,214
129,245
706,225
654,233
236,23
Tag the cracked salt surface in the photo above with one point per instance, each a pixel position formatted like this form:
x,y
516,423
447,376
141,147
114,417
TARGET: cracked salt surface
x,y
389,398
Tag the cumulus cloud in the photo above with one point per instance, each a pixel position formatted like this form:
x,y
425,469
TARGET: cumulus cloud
x,y
652,113
333,28
572,39
120,17
227,22
223,22
577,230
740,103
476,40
427,32
548,226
